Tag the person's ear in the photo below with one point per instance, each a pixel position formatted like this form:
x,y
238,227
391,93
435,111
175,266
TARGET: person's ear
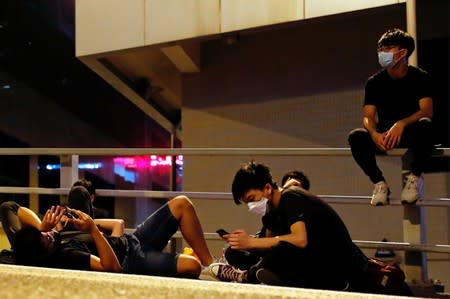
x,y
403,53
268,188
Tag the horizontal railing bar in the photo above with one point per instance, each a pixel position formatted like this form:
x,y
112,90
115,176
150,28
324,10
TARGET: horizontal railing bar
x,y
337,199
437,248
343,151
403,246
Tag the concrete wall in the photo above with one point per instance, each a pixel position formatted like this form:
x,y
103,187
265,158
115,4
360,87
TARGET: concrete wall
x,y
135,23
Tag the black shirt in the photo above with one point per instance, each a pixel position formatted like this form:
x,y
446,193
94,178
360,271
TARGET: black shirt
x,y
74,249
329,242
396,99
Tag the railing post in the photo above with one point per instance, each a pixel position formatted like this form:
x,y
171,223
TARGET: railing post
x,y
68,173
413,232
33,181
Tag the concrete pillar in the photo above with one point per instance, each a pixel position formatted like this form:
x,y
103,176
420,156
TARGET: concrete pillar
x,y
68,173
33,181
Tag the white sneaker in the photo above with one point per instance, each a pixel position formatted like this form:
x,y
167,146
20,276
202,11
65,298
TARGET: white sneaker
x,y
380,194
413,190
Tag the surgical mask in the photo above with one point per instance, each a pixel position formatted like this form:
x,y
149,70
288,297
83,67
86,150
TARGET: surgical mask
x,y
386,59
258,207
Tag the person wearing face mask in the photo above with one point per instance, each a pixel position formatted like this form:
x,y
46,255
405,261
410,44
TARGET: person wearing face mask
x,y
244,259
306,243
398,109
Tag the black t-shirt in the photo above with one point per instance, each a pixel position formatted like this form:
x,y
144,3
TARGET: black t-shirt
x,y
329,242
75,248
396,99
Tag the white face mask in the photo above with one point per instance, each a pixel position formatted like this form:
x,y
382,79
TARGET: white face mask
x,y
258,207
386,59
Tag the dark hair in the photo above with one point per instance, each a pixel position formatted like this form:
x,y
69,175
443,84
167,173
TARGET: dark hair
x,y
28,250
399,38
86,184
250,176
80,199
297,175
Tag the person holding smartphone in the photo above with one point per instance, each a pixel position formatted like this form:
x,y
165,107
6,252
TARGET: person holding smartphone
x,y
141,252
244,259
306,244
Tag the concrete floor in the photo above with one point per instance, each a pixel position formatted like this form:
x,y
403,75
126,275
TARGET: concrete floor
x,y
44,283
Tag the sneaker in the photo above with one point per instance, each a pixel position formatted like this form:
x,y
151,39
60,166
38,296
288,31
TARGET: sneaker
x,y
413,189
380,194
267,277
225,272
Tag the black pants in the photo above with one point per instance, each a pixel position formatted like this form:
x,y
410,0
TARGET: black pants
x,y
243,259
10,220
288,263
417,137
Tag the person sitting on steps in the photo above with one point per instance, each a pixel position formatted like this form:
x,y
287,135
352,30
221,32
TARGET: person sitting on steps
x,y
398,109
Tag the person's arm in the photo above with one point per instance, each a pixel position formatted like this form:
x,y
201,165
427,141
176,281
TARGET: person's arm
x,y
107,259
425,111
240,239
51,218
369,118
292,182
394,134
116,226
370,124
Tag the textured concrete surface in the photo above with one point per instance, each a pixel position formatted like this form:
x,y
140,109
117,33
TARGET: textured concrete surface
x,y
29,282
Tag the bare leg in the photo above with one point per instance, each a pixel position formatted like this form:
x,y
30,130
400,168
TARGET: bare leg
x,y
183,210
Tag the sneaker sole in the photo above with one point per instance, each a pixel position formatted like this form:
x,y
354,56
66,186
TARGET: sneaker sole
x,y
380,204
407,203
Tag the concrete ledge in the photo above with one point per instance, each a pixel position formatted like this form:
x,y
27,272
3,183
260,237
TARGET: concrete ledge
x,y
36,283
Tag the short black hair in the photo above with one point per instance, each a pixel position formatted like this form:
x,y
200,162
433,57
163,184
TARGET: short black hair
x,y
250,176
397,38
28,250
297,175
80,199
86,184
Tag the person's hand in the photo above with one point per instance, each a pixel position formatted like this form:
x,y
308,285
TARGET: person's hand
x,y
240,240
393,136
292,182
51,218
379,140
84,222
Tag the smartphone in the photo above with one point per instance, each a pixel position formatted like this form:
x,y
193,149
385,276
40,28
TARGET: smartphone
x,y
221,232
70,214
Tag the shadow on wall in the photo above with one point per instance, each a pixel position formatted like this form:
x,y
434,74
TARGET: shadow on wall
x,y
303,58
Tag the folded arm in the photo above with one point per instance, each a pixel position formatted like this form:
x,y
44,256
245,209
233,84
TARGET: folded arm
x,y
394,135
239,239
106,259
51,218
116,226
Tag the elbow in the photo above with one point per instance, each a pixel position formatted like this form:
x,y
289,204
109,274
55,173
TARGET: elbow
x,y
119,229
300,243
121,224
115,268
303,243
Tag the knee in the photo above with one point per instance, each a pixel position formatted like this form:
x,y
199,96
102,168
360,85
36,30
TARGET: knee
x,y
8,207
425,123
188,266
425,119
356,134
179,204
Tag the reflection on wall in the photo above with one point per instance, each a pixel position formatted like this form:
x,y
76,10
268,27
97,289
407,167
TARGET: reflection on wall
x,y
129,169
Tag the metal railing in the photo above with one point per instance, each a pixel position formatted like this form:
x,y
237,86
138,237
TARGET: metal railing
x,y
414,227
